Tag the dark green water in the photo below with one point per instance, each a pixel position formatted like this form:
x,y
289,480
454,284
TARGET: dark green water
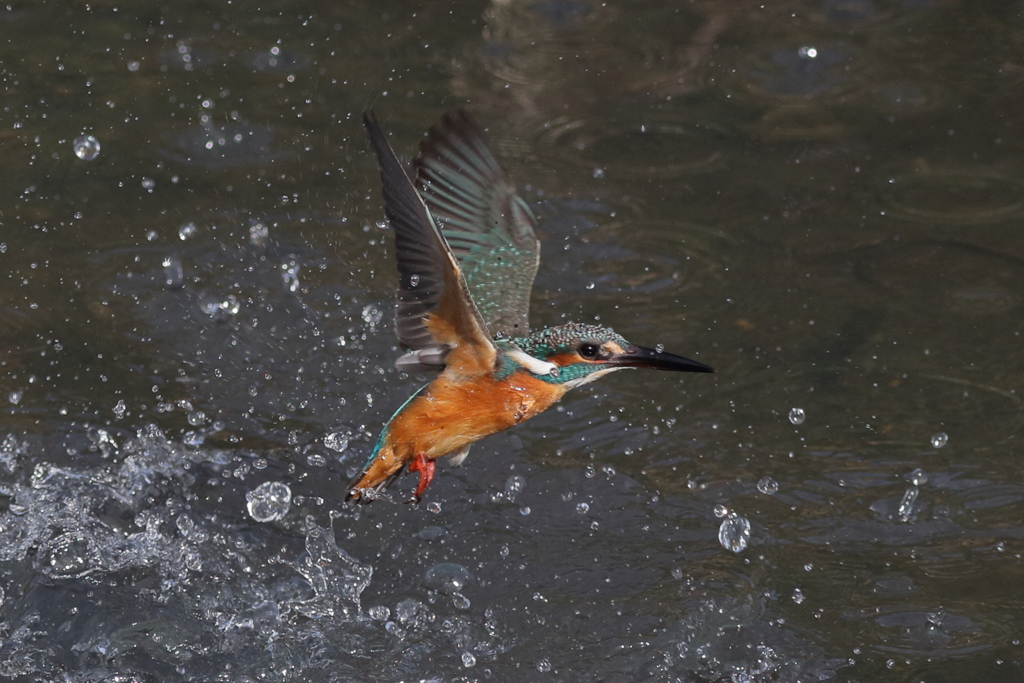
x,y
822,200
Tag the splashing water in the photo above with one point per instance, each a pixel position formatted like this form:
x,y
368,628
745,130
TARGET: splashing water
x,y
337,579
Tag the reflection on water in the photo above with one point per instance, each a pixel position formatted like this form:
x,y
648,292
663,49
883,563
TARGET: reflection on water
x,y
822,198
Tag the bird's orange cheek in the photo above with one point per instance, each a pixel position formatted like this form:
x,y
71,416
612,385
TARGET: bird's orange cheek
x,y
564,359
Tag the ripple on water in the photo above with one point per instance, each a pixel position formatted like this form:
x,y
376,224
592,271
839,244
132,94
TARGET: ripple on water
x,y
814,70
908,97
569,52
955,196
948,276
931,633
798,121
851,17
662,256
649,145
529,43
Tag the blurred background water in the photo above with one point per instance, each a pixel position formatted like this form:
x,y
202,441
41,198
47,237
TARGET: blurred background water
x,y
821,199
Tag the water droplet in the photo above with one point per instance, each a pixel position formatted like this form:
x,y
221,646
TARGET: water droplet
x,y
917,477
269,501
514,485
798,596
734,533
767,486
544,666
133,65
429,533
721,511
148,184
187,231
460,601
379,612
906,508
468,660
336,441
196,418
939,440
221,310
434,508
102,441
447,578
797,416
174,273
316,460
589,472
86,147
808,52
290,274
258,234
372,315
503,551
525,510
414,280
185,524
15,397
582,508
599,173
260,464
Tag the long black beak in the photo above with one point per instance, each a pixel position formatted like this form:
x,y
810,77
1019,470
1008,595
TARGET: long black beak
x,y
640,357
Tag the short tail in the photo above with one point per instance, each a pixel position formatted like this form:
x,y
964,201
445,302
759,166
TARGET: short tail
x,y
369,485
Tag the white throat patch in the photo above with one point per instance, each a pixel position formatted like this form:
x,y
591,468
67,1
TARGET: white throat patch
x,y
534,365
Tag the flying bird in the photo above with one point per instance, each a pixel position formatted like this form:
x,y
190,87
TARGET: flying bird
x,y
467,253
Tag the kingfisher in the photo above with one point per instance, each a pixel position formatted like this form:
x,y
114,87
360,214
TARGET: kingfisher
x,y
468,252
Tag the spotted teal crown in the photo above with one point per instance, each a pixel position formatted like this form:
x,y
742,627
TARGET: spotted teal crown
x,y
567,338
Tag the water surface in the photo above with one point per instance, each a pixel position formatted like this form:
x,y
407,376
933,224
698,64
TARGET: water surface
x,y
822,200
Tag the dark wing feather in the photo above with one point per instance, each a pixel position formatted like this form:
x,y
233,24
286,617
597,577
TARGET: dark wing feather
x,y
434,307
488,226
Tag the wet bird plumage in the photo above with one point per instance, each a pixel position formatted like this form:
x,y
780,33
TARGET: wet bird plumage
x,y
467,254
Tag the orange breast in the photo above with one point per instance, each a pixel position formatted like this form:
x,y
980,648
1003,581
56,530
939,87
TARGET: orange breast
x,y
452,414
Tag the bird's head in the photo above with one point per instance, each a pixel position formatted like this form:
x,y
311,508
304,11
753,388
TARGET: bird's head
x,y
575,354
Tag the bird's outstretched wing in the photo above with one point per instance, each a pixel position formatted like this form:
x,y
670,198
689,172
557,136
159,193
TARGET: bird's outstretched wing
x,y
435,313
489,227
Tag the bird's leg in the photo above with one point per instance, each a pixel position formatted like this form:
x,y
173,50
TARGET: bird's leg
x,y
426,469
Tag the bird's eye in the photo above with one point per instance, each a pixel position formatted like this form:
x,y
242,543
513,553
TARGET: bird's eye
x,y
589,350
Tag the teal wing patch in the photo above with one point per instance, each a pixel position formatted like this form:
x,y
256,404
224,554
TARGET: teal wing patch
x,y
489,227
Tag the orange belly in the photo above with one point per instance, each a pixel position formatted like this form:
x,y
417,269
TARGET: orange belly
x,y
449,415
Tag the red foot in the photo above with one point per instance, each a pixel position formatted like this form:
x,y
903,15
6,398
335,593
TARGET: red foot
x,y
426,469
